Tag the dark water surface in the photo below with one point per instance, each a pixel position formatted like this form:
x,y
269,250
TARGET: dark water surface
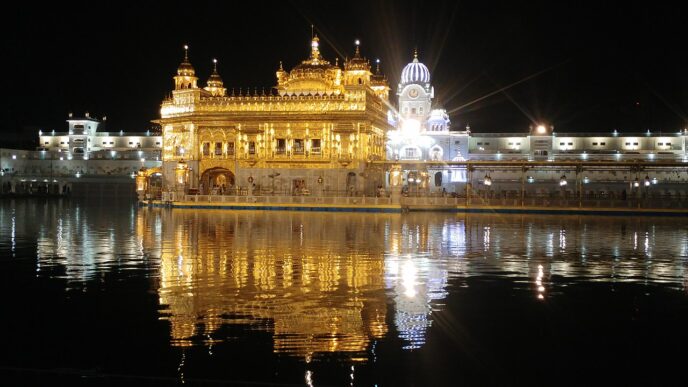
x,y
105,293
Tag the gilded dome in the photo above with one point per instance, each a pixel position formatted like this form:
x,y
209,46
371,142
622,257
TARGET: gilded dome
x,y
185,68
215,80
357,62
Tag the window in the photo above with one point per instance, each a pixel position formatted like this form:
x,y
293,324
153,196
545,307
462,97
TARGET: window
x,y
131,143
561,144
62,143
518,144
660,144
252,148
281,146
628,143
410,153
603,143
47,142
635,143
111,142
511,144
570,143
487,143
315,146
157,143
78,126
594,144
413,110
457,142
667,144
206,149
480,143
298,146
218,149
104,143
230,148
421,110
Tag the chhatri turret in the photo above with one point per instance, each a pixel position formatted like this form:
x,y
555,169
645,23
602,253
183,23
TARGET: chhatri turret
x,y
215,85
186,75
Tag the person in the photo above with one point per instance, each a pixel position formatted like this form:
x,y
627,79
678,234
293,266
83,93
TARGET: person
x,y
444,192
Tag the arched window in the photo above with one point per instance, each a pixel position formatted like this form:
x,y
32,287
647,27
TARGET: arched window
x,y
360,81
438,179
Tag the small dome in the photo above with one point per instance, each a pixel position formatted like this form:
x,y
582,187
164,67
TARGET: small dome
x,y
185,68
215,80
415,72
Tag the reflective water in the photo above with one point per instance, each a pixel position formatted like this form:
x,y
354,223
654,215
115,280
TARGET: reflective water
x,y
110,293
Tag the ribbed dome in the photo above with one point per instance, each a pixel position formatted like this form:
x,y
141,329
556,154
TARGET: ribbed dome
x,y
415,72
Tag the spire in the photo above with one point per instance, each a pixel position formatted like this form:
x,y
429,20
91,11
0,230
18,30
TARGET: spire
x,y
315,51
358,50
215,85
186,75
281,68
415,54
377,70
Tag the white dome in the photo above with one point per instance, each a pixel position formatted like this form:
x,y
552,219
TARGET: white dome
x,y
415,72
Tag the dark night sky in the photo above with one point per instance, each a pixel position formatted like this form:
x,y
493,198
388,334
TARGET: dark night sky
x,y
608,66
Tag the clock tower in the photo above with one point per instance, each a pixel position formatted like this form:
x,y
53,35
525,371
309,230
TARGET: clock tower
x,y
415,93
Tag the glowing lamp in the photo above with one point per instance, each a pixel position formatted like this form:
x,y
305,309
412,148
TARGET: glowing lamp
x,y
562,180
541,129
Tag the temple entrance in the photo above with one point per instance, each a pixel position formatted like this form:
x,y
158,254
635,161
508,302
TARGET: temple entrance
x,y
217,181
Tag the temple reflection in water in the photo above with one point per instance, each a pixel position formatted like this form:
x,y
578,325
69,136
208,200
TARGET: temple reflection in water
x,y
326,283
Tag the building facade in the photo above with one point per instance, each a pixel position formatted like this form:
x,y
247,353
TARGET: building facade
x,y
317,132
83,157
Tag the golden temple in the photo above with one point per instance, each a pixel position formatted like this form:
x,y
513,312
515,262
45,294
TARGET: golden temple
x,y
317,129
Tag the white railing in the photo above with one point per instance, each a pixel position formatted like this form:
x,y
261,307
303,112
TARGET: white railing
x,y
277,200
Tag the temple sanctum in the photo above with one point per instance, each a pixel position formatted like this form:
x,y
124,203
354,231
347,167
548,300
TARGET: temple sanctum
x,y
317,131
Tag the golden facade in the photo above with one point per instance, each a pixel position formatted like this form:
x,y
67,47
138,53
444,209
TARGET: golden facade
x,y
322,123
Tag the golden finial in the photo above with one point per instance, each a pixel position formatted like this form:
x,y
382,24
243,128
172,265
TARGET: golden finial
x,y
358,52
378,66
415,53
186,52
315,52
215,65
336,61
281,68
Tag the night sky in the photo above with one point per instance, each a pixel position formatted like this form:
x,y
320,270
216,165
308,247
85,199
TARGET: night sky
x,y
592,68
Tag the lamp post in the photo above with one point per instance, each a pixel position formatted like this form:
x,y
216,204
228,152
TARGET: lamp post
x,y
562,185
487,182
